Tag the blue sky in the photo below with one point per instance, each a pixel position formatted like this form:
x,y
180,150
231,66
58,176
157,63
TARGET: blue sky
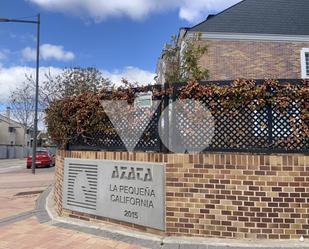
x,y
112,44
122,38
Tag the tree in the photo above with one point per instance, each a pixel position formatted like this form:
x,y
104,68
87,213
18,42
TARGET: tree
x,y
183,61
75,81
71,82
22,104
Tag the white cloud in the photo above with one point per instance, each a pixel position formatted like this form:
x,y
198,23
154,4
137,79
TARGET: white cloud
x,y
195,11
29,54
132,74
48,52
190,10
12,77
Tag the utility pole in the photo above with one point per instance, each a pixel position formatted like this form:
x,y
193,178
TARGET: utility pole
x,y
35,128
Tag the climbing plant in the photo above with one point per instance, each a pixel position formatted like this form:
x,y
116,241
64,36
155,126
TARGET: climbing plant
x,y
182,59
83,115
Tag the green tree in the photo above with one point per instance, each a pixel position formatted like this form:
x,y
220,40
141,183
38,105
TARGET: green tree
x,y
183,62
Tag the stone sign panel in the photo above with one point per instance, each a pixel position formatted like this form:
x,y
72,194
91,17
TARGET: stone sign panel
x,y
122,190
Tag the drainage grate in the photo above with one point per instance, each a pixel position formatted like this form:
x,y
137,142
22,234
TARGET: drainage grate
x,y
29,193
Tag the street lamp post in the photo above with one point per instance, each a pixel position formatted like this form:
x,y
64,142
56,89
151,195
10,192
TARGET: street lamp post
x,y
37,22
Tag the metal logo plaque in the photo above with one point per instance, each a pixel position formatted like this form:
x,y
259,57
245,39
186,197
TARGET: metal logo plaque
x,y
122,190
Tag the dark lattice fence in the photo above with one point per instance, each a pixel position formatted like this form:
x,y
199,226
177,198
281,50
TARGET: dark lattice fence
x,y
286,131
268,129
108,139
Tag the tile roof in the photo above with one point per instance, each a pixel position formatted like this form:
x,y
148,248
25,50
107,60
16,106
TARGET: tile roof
x,y
285,17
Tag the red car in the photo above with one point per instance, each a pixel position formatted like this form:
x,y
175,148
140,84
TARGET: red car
x,y
43,159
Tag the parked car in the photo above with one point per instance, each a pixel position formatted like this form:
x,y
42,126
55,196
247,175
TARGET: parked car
x,y
43,159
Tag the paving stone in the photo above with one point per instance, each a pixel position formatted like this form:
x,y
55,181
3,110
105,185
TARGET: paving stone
x,y
16,218
223,247
279,247
148,244
202,247
170,246
47,236
188,246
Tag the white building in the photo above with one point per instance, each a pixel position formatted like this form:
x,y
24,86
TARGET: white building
x,y
13,133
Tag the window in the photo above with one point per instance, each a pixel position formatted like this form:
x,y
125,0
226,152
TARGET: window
x,y
305,63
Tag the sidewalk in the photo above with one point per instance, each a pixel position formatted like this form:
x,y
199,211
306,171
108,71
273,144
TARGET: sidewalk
x,y
19,190
30,234
25,224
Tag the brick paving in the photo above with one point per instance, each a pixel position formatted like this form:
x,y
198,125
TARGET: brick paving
x,y
10,204
24,179
13,183
30,234
21,229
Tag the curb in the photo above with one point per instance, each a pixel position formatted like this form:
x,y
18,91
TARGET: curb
x,y
45,213
40,208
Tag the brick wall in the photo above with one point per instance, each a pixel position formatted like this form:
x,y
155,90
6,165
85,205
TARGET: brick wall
x,y
223,195
228,60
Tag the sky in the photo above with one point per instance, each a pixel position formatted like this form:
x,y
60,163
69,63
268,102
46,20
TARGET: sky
x,y
122,38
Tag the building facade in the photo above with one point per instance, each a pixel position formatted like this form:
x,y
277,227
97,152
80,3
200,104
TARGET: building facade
x,y
13,133
254,39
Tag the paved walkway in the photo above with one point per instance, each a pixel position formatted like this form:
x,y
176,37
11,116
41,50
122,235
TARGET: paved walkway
x,y
24,222
11,204
19,189
35,230
30,234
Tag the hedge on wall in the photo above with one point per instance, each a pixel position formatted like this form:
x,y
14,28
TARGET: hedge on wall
x,y
83,115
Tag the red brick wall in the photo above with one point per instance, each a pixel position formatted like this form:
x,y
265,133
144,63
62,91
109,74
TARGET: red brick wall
x,y
225,195
228,60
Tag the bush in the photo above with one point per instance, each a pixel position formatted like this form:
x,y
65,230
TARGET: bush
x,y
83,115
